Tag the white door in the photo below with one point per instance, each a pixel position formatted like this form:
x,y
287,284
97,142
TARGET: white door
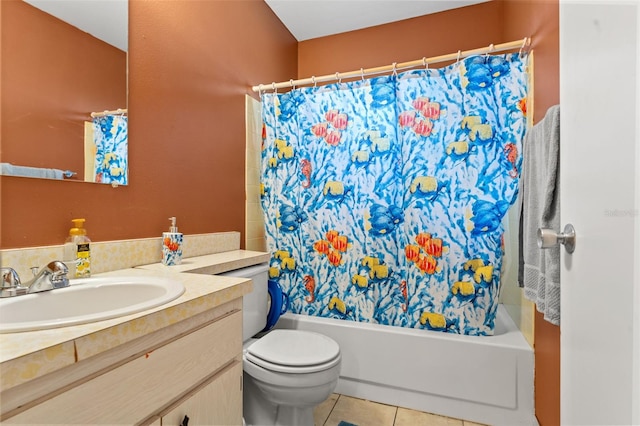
x,y
600,186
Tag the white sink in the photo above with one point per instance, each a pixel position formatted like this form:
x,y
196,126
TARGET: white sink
x,y
86,300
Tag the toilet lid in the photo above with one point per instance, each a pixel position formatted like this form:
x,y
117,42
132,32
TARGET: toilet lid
x,y
294,350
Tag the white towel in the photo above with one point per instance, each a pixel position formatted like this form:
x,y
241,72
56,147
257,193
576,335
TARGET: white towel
x,y
540,189
9,169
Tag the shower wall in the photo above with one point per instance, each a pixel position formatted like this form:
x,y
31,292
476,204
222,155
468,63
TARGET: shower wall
x,y
254,219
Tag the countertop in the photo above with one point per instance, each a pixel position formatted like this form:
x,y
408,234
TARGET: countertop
x,y
31,354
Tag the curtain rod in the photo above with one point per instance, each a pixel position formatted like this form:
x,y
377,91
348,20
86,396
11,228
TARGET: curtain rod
x,y
521,44
119,111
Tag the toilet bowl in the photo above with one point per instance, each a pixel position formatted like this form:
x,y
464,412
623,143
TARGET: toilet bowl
x,y
286,372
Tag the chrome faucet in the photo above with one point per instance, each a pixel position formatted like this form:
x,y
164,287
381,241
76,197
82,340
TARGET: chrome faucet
x,y
52,276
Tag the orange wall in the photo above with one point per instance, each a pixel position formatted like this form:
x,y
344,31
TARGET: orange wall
x,y
190,65
53,76
541,20
465,28
430,35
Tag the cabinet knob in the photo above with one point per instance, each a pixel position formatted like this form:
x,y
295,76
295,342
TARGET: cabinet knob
x,y
185,421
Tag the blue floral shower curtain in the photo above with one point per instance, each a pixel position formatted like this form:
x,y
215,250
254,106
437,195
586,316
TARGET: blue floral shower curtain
x,y
110,134
383,198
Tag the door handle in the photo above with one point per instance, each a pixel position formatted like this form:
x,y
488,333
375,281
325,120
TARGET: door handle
x,y
548,238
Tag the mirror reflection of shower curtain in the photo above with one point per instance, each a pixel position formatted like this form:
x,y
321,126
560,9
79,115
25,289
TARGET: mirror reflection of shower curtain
x,y
110,135
383,198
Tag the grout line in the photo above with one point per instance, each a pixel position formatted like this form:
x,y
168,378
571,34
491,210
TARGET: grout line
x,y
331,411
395,417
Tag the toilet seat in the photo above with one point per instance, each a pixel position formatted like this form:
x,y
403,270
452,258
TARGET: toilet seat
x,y
279,303
294,351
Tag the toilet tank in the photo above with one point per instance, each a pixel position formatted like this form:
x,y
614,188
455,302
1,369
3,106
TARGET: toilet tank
x,y
255,305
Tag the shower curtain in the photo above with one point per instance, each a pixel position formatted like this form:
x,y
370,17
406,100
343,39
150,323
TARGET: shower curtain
x,y
110,134
383,198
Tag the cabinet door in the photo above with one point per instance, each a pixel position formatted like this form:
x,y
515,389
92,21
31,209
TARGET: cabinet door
x,y
140,388
217,402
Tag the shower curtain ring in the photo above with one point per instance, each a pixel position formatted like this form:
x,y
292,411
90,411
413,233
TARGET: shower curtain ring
x,y
524,43
458,59
338,77
313,80
395,71
425,63
291,83
260,89
490,49
362,73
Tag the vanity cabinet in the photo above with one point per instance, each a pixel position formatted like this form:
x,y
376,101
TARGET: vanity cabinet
x,y
218,402
195,371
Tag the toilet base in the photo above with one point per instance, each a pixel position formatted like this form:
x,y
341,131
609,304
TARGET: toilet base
x,y
294,416
259,411
286,416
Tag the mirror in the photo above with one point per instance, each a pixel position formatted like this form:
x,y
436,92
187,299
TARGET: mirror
x,y
63,60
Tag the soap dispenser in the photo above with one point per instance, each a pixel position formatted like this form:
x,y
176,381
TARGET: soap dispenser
x,y
77,251
172,245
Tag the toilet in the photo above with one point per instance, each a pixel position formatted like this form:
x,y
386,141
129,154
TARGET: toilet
x,y
286,372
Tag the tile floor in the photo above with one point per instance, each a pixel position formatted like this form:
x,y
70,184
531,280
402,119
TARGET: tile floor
x,y
342,410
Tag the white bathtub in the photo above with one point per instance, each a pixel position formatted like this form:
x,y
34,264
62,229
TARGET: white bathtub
x,y
483,379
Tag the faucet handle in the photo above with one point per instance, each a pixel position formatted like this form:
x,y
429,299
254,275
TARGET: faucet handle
x,y
58,266
10,278
11,285
59,273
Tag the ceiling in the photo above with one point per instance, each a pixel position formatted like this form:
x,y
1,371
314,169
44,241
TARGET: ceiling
x,y
106,20
307,19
